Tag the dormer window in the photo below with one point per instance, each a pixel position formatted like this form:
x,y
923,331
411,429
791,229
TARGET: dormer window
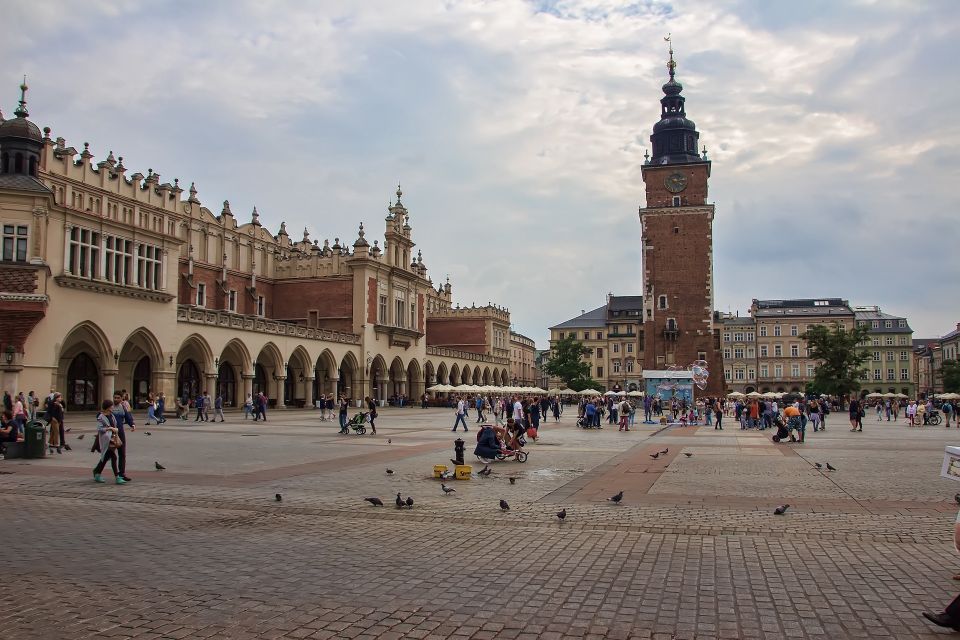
x,y
676,201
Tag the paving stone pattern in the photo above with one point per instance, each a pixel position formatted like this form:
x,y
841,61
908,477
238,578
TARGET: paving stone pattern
x,y
202,550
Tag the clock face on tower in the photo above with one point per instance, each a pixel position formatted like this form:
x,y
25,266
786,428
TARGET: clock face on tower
x,y
675,182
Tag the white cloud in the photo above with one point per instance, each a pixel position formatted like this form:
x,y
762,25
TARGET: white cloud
x,y
518,130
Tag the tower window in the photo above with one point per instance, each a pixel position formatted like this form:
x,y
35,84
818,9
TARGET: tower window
x,y
662,302
676,203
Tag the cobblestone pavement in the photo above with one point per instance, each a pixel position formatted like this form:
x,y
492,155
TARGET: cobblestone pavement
x,y
202,550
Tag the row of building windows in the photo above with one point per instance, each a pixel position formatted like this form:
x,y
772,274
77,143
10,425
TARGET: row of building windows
x,y
887,324
95,256
748,374
891,374
739,336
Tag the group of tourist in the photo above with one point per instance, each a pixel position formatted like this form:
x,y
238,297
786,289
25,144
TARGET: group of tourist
x,y
526,411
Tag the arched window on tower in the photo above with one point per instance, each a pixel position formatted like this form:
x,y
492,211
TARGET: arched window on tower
x,y
18,163
33,166
5,162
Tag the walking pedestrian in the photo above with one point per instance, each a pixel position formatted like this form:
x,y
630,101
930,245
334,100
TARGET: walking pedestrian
x,y
479,405
121,419
207,405
855,411
372,406
947,412
161,405
461,413
108,442
344,407
198,403
151,409
218,408
58,435
264,402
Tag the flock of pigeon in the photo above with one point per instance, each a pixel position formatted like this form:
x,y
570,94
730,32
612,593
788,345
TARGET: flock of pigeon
x,y
486,471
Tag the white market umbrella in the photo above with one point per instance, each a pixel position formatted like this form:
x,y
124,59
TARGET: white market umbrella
x,y
635,394
949,396
874,395
754,394
567,391
589,392
734,394
890,395
555,392
440,388
901,395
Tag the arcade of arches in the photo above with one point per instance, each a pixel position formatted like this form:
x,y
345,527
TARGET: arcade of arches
x,y
90,368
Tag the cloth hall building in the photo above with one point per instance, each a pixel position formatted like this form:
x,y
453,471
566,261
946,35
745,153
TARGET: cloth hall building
x,y
115,280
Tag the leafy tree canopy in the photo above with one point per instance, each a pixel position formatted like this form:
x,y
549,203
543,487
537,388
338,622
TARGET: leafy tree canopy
x,y
950,370
566,363
841,358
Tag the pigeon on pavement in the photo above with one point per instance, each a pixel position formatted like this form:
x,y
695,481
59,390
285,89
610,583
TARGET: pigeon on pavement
x,y
158,466
148,433
503,505
665,451
485,471
399,502
818,465
67,430
278,497
782,509
562,514
512,480
447,490
655,455
389,441
689,455
957,498
377,502
80,437
617,498
409,502
830,467
389,472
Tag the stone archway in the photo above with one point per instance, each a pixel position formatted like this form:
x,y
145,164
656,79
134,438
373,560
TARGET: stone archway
x,y
379,379
429,375
297,391
398,378
140,362
196,371
86,368
325,375
415,386
234,374
270,374
466,376
347,378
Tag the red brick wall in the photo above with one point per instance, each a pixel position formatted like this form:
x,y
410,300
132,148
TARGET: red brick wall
x,y
217,300
466,334
694,194
678,263
17,321
372,300
18,279
331,298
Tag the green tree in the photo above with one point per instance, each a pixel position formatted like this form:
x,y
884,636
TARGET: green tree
x,y
841,357
584,383
566,363
950,370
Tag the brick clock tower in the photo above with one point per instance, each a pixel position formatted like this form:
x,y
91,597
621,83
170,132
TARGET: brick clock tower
x,y
677,227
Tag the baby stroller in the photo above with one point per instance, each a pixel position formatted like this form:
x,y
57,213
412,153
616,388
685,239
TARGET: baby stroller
x,y
584,423
357,424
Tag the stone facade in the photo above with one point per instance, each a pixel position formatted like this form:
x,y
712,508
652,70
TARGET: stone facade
x,y
118,280
523,356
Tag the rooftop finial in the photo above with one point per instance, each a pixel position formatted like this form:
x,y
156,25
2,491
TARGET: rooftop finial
x,y
21,110
399,193
671,65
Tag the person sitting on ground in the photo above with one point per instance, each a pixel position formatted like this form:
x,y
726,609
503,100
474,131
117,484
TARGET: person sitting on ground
x,y
487,444
8,429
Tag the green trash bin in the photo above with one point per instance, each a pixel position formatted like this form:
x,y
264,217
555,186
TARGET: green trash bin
x,y
34,439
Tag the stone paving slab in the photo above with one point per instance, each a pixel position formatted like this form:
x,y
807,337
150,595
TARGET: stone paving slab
x,y
203,550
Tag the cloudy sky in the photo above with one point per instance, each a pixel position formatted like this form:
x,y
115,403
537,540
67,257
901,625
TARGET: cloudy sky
x,y
518,129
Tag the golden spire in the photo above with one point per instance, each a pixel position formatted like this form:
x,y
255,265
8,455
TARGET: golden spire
x,y
671,65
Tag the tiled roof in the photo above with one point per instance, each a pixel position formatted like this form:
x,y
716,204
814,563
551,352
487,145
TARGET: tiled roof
x,y
22,183
801,307
745,321
590,319
626,303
